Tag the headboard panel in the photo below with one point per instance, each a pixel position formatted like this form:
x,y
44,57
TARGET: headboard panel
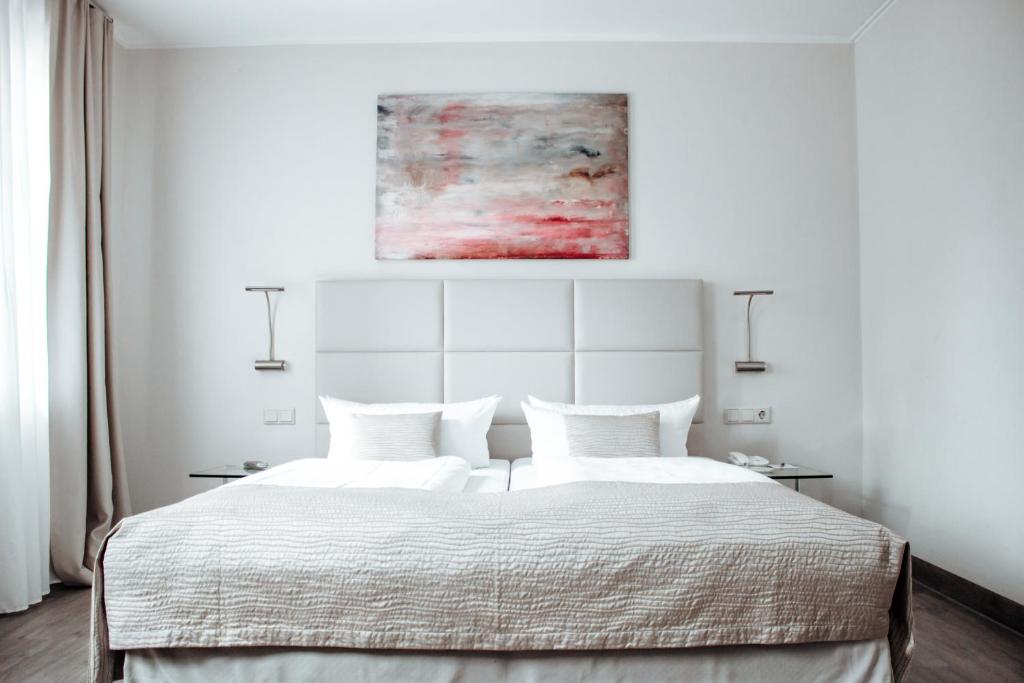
x,y
586,341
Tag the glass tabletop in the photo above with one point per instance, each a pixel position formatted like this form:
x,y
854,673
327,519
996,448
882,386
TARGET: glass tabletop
x,y
797,472
224,472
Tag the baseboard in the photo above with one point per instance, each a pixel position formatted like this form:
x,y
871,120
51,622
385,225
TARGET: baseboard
x,y
969,594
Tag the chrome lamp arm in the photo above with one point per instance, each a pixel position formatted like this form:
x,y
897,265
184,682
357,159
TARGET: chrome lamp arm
x,y
751,365
270,363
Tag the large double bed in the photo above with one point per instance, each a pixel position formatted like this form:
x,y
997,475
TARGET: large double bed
x,y
645,569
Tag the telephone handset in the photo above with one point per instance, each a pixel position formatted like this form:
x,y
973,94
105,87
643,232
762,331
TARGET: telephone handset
x,y
743,460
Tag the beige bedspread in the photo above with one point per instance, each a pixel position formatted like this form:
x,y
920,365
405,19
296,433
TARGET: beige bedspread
x,y
581,566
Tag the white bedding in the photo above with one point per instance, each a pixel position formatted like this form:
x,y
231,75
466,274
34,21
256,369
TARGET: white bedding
x,y
445,473
529,566
491,479
682,470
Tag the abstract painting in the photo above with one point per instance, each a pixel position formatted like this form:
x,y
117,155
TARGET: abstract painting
x,y
502,176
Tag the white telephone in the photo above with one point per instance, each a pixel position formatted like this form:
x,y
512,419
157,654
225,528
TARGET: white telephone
x,y
743,460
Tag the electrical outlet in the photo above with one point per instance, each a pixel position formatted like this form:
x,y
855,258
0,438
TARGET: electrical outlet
x,y
747,416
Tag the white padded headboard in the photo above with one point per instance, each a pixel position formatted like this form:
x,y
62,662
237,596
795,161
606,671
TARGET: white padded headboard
x,y
584,341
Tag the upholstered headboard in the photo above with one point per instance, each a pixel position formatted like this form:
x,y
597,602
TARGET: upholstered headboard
x,y
584,341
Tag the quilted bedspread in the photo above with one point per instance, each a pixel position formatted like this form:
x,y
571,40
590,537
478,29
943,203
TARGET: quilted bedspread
x,y
581,566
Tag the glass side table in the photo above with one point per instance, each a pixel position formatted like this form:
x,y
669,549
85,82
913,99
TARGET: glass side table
x,y
224,473
797,474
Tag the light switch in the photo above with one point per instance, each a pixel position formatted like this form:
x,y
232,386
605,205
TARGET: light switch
x,y
279,416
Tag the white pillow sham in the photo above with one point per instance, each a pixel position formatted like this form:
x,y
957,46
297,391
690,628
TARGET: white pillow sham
x,y
612,436
674,420
463,431
393,436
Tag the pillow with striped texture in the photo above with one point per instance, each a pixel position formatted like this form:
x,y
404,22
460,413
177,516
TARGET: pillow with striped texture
x,y
613,436
409,436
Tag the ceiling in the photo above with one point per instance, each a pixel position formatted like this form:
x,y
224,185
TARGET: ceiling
x,y
219,23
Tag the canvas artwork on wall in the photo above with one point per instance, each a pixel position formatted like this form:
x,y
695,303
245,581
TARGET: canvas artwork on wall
x,y
499,176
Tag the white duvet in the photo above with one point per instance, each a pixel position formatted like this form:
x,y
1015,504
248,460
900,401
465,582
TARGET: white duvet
x,y
445,473
682,470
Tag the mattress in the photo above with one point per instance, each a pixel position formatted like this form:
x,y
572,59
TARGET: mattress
x,y
659,470
849,662
446,473
491,479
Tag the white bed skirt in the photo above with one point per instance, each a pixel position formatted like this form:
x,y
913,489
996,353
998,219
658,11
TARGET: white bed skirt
x,y
847,662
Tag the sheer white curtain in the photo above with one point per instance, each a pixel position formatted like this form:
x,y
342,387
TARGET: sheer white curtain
x,y
24,199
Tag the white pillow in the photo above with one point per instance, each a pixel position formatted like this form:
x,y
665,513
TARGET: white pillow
x,y
675,419
547,433
463,430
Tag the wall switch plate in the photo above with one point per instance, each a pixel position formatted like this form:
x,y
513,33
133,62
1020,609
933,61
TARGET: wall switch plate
x,y
284,416
747,416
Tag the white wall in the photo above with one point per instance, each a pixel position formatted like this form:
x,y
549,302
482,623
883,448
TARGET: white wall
x,y
256,166
940,99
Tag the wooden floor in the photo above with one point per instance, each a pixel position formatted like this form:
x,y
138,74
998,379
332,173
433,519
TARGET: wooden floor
x,y
49,642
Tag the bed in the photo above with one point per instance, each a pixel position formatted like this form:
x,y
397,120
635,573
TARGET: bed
x,y
461,584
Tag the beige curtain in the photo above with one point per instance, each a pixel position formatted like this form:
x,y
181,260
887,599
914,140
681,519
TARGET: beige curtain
x,y
88,492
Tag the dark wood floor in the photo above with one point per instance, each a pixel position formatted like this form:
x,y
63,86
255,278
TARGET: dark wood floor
x,y
49,642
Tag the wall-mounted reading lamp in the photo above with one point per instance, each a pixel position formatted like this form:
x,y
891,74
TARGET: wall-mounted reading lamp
x,y
751,365
271,363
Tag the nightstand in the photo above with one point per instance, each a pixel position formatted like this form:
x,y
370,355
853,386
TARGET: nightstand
x,y
224,473
797,474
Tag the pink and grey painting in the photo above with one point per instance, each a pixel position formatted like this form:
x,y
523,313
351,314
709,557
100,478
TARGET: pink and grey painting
x,y
502,176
